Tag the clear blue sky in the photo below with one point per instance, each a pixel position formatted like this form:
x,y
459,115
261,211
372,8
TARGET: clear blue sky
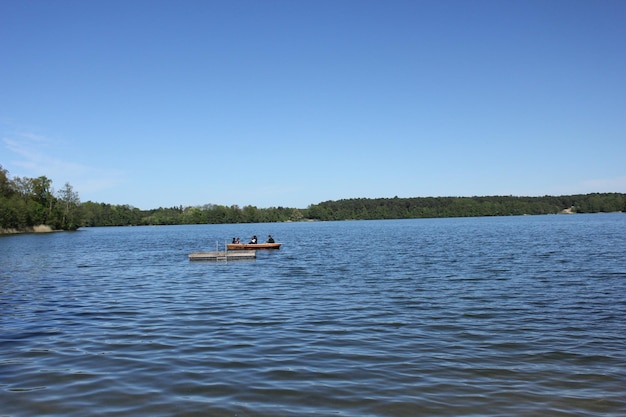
x,y
290,103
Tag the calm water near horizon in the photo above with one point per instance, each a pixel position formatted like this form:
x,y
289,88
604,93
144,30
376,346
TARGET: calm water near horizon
x,y
502,316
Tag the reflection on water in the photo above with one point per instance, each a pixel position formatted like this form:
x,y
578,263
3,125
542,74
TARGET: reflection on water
x,y
446,317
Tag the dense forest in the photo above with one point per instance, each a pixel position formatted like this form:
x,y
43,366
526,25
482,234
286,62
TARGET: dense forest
x,y
101,214
28,202
422,207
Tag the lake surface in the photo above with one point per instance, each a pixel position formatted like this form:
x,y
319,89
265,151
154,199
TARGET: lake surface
x,y
503,316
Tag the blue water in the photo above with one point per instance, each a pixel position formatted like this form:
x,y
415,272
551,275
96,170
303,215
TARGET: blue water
x,y
504,316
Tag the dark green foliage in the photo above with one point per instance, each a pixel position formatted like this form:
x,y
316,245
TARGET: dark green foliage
x,y
100,214
28,202
407,208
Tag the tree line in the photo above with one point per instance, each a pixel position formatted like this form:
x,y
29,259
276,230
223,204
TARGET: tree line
x,y
429,207
101,214
28,202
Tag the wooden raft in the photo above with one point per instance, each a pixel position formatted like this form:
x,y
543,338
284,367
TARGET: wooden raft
x,y
223,256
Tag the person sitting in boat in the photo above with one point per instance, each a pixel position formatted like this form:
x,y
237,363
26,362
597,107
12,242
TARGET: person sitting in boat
x,y
270,239
253,240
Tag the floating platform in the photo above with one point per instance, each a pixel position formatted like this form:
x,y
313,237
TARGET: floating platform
x,y
223,256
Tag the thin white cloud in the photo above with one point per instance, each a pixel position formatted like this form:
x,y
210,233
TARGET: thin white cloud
x,y
36,155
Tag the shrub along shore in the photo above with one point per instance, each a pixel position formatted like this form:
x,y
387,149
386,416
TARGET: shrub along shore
x,y
42,228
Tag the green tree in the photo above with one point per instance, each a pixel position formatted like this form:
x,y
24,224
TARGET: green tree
x,y
7,188
70,203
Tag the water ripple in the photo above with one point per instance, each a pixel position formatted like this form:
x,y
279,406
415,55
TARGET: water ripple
x,y
484,317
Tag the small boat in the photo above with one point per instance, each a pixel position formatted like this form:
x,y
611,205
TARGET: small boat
x,y
252,246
